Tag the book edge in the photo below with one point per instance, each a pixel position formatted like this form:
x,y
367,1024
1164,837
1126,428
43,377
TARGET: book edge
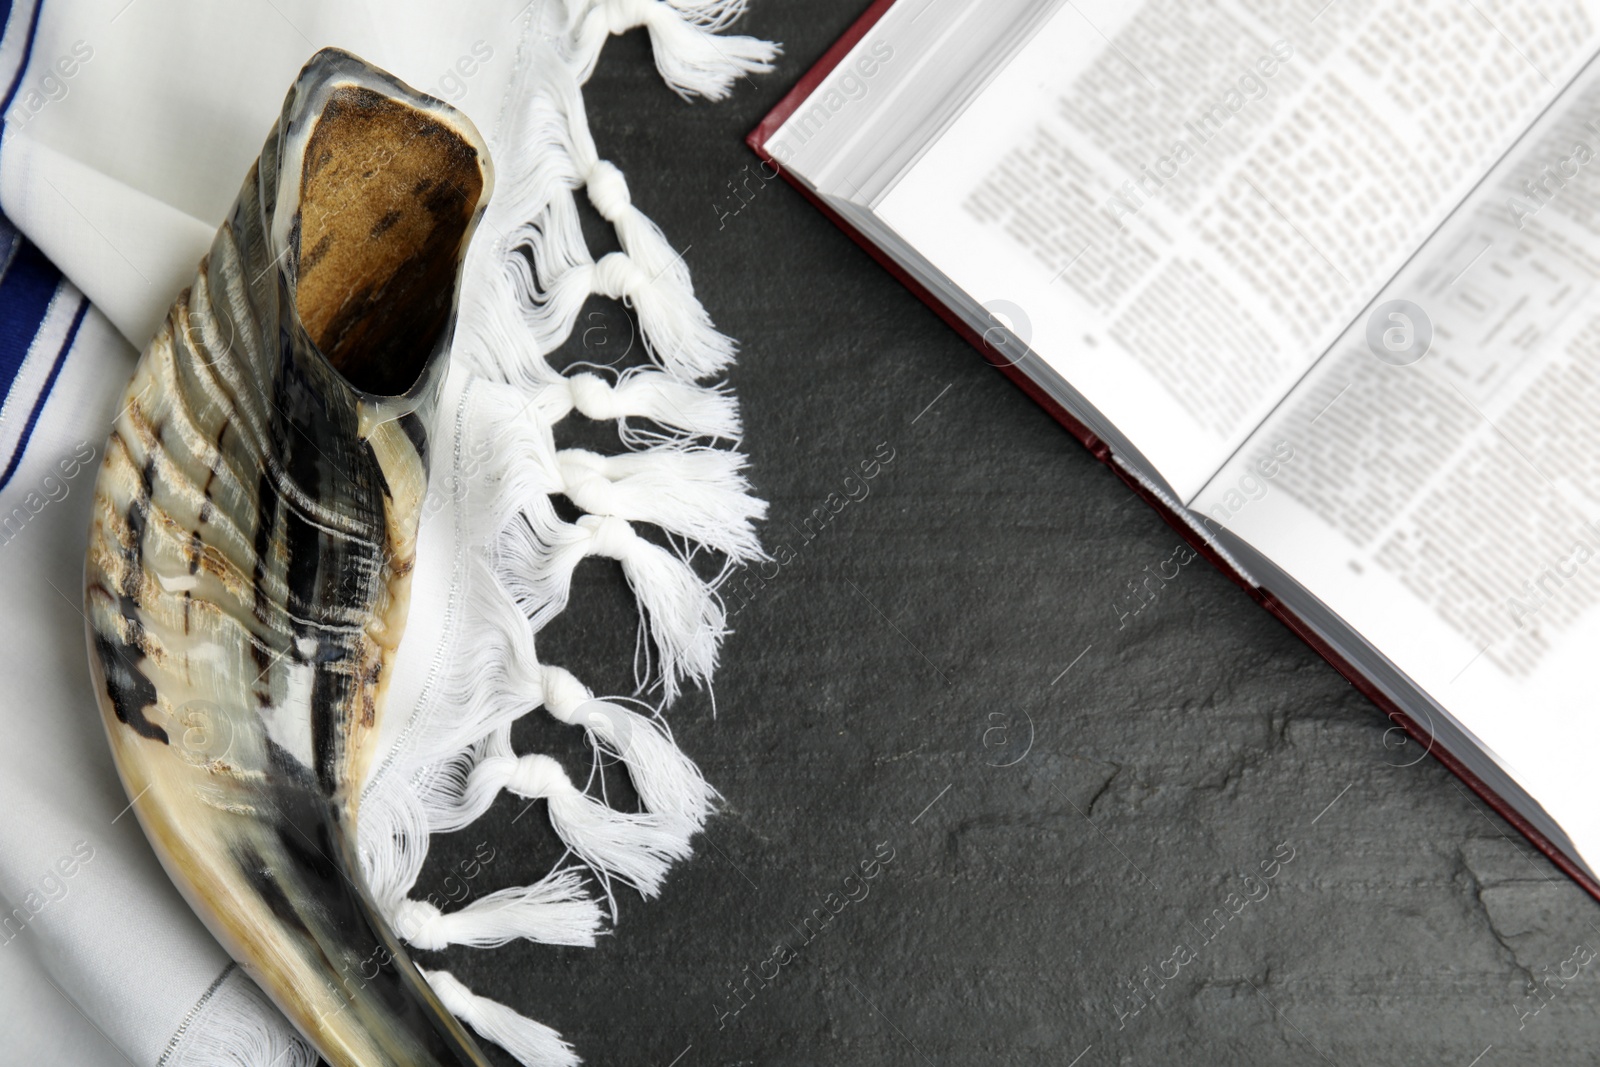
x,y
758,137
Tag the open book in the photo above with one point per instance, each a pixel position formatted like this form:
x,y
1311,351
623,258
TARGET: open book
x,y
1320,277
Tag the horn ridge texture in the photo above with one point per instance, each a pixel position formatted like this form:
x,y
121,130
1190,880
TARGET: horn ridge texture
x,y
253,537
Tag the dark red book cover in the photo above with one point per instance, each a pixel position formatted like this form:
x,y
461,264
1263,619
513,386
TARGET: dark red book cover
x,y
758,139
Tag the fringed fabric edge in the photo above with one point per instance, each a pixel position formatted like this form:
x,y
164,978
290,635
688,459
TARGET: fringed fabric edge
x,y
527,279
235,1025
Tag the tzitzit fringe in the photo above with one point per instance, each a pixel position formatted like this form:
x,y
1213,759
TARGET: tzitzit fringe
x,y
527,278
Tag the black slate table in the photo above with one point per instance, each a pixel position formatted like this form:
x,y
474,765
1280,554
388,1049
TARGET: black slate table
x,y
1080,810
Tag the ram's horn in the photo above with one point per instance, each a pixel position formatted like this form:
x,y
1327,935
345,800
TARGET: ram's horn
x,y
254,526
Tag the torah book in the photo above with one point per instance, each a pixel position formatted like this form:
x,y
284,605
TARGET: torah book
x,y
1319,279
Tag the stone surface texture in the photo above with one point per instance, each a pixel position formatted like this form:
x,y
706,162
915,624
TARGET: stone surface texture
x,y
1072,800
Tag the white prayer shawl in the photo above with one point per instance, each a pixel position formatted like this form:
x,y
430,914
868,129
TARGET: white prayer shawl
x,y
129,126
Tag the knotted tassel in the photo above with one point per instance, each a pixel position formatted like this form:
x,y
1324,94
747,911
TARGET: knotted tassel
x,y
499,345
679,611
558,124
674,326
677,332
639,236
645,393
690,55
667,781
608,190
697,493
554,911
637,848
461,788
533,1044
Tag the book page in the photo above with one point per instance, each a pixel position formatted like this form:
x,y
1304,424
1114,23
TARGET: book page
x,y
1435,480
1180,204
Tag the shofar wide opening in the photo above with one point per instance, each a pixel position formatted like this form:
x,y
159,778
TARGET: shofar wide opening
x,y
387,194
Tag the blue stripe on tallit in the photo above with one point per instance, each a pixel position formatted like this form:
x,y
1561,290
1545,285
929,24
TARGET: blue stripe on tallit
x,y
27,50
44,394
28,281
26,289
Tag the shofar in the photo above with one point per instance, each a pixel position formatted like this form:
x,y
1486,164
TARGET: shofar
x,y
252,543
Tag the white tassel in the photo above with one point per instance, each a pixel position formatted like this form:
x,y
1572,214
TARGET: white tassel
x,y
677,332
640,237
533,1044
554,911
692,58
697,493
500,346
667,781
544,272
637,848
676,327
560,126
645,393
608,191
486,775
678,610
